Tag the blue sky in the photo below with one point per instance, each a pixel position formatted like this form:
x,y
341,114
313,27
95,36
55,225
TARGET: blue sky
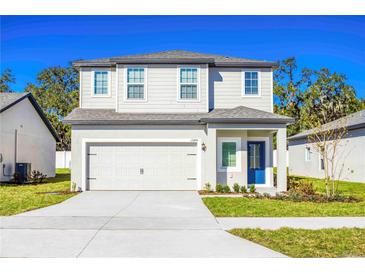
x,y
31,43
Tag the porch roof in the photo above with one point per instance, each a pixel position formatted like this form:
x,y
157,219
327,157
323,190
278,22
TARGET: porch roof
x,y
241,114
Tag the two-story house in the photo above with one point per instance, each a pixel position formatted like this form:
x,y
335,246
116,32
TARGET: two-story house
x,y
176,120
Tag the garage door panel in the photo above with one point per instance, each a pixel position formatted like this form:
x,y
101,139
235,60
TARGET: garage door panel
x,y
143,166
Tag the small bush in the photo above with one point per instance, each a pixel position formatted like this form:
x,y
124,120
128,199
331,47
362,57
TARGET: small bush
x,y
208,187
236,188
305,188
219,188
243,189
252,189
73,187
226,189
16,177
37,177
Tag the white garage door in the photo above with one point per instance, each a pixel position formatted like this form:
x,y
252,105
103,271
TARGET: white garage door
x,y
135,166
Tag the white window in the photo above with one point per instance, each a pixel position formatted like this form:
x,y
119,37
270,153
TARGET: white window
x,y
229,157
307,154
188,83
101,83
251,83
135,89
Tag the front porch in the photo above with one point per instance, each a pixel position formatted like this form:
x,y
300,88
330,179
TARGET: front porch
x,y
244,155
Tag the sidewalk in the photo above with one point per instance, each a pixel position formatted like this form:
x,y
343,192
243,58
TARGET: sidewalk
x,y
293,222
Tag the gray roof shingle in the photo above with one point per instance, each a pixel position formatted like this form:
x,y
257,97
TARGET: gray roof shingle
x,y
239,114
8,98
175,57
352,121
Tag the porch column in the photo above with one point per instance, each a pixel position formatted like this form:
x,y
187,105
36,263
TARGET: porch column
x,y
211,158
281,159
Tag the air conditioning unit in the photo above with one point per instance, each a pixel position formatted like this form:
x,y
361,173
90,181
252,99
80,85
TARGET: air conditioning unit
x,y
24,171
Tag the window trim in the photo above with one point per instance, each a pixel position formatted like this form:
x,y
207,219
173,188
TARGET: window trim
x,y
109,94
307,154
197,100
125,96
220,142
243,83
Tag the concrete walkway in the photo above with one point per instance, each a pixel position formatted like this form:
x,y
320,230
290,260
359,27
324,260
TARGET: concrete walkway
x,y
123,224
293,222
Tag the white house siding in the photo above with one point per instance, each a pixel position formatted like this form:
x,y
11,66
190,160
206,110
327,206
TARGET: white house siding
x,y
36,145
350,163
226,84
162,91
87,100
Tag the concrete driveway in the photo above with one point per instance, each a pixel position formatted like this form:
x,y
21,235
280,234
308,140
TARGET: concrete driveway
x,y
123,224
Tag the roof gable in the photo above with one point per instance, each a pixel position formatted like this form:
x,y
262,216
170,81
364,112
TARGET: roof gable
x,y
7,100
353,121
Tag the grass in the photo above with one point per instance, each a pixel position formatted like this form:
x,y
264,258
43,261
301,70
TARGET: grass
x,y
304,243
20,198
251,207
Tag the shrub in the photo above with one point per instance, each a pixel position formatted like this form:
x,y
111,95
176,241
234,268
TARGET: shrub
x,y
226,189
16,177
292,182
252,189
208,187
73,186
305,188
236,188
37,177
243,189
219,188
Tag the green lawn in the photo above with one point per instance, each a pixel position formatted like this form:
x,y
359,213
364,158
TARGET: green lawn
x,y
304,243
251,207
15,199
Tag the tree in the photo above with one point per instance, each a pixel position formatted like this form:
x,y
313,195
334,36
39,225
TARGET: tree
x,y
56,90
289,85
313,94
327,99
326,140
6,78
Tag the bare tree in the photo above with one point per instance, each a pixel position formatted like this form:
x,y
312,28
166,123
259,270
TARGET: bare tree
x,y
326,140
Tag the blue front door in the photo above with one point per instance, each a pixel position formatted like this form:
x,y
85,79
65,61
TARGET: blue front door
x,y
256,162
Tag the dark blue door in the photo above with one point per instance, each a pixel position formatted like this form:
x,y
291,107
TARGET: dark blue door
x,y
256,162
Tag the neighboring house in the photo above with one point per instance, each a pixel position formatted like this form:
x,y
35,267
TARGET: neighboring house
x,y
350,156
175,120
26,136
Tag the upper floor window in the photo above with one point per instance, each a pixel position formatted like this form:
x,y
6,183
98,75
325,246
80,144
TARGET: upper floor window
x,y
135,83
251,83
101,83
188,84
